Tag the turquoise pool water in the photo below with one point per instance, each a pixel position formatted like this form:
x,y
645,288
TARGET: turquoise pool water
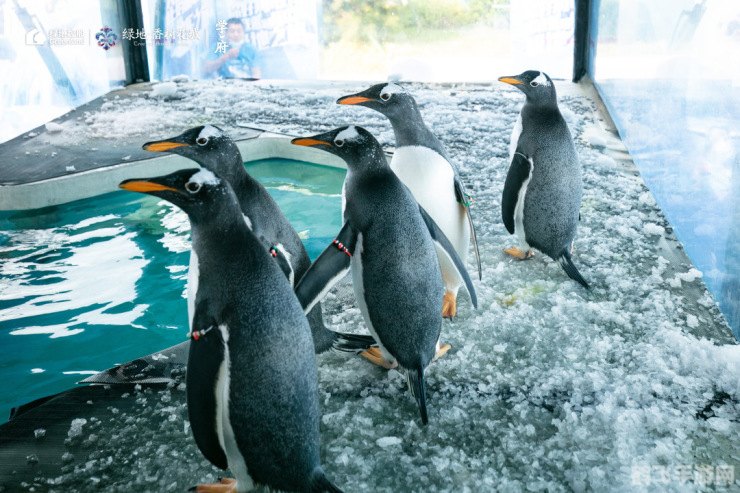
x,y
101,281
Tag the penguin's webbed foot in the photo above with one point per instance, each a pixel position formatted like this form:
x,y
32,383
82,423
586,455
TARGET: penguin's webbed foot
x,y
519,254
449,305
441,350
375,356
226,485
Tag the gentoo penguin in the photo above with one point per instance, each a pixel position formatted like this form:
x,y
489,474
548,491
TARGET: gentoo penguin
x,y
211,148
542,192
422,164
388,241
252,386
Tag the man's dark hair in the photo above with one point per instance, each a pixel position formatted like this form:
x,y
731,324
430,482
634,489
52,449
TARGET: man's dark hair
x,y
235,20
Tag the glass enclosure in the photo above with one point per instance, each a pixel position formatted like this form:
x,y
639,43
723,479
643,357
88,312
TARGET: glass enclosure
x,y
668,71
54,56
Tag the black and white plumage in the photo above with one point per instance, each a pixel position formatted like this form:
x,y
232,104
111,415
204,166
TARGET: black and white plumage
x,y
542,194
212,149
252,388
422,164
388,242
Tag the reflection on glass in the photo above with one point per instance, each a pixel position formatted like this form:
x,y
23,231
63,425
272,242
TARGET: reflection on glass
x,y
667,70
52,59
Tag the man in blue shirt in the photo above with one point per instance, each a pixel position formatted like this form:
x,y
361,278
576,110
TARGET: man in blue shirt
x,y
234,57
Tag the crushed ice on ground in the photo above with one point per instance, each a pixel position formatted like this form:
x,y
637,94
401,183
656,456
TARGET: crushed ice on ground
x,y
547,387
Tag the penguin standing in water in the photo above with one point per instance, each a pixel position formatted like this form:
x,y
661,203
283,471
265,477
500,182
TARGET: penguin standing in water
x,y
420,161
542,193
214,150
388,241
252,388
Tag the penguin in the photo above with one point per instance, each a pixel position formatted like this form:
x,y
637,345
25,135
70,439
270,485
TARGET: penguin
x,y
252,383
212,149
542,192
389,242
422,164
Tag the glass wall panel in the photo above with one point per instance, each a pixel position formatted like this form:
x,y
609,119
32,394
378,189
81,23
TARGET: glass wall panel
x,y
55,55
668,72
424,40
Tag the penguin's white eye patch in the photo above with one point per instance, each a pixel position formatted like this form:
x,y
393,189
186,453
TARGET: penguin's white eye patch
x,y
349,134
193,186
385,96
540,80
201,141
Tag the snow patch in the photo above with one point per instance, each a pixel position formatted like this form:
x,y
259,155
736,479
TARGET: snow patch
x,y
163,90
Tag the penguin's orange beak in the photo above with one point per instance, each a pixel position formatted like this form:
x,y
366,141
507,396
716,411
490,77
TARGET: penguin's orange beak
x,y
510,80
144,186
307,142
352,100
162,146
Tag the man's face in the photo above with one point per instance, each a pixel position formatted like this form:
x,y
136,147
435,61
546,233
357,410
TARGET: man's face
x,y
235,33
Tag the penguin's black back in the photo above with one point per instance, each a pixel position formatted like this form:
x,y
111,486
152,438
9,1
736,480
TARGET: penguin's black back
x,y
553,199
401,277
273,389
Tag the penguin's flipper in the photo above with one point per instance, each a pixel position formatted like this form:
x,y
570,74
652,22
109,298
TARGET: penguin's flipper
x,y
519,172
331,266
440,239
319,483
464,200
569,267
204,364
278,253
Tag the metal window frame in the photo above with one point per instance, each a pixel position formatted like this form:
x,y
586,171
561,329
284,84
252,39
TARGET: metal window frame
x,y
134,54
582,49
137,64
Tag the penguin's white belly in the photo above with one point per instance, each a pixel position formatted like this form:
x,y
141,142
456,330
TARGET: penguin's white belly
x,y
359,288
519,210
224,430
431,180
192,286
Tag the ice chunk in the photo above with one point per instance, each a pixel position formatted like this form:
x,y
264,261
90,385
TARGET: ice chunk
x,y
388,441
653,229
163,90
76,428
53,128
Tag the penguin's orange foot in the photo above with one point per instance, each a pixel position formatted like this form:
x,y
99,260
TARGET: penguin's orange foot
x,y
375,356
520,254
449,305
226,485
441,350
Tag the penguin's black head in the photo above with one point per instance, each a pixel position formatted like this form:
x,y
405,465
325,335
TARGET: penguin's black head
x,y
197,191
535,84
387,98
207,145
355,145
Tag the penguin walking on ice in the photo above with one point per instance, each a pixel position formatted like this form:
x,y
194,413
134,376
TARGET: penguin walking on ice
x,y
542,193
252,385
388,242
422,164
212,149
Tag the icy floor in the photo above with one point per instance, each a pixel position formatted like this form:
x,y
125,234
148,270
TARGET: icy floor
x,y
548,386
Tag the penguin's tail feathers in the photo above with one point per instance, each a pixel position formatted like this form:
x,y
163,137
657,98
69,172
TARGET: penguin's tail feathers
x,y
352,343
566,263
418,388
319,483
